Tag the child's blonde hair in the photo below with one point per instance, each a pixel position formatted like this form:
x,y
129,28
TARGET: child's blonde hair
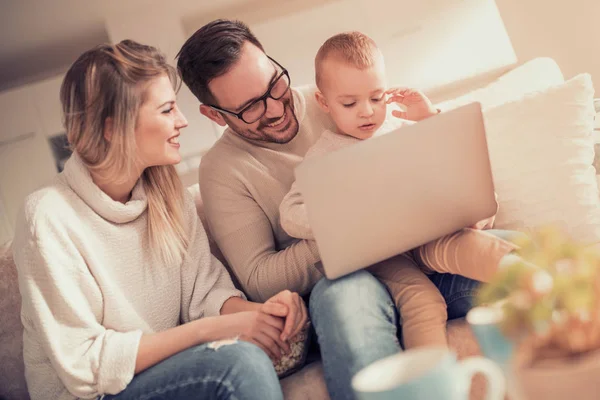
x,y
353,48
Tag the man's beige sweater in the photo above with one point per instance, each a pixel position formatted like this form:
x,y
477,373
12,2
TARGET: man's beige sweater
x,y
243,183
91,286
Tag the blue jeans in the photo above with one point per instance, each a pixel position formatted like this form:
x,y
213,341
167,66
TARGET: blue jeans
x,y
356,320
237,371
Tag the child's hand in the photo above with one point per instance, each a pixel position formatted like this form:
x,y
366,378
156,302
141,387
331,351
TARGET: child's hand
x,y
487,223
418,106
484,224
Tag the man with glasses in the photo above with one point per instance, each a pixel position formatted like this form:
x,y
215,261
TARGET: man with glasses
x,y
254,109
246,175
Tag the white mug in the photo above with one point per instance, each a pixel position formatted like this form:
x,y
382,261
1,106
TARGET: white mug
x,y
424,374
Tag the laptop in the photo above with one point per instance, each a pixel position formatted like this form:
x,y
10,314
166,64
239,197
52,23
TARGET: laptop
x,y
394,192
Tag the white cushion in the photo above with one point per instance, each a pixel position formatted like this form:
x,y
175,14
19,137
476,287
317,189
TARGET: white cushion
x,y
541,151
535,75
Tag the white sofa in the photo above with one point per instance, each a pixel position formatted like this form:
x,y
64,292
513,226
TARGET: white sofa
x,y
308,383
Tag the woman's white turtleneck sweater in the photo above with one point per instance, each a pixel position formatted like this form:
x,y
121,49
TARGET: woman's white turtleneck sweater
x,y
91,285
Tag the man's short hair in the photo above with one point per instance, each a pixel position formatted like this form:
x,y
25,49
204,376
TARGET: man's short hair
x,y
354,48
210,53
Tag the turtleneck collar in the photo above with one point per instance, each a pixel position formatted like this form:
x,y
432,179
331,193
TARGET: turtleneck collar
x,y
78,177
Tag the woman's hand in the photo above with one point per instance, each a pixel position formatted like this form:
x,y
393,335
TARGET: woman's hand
x,y
269,325
418,106
296,316
258,327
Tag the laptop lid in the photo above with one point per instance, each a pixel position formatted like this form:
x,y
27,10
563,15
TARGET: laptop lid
x,y
389,194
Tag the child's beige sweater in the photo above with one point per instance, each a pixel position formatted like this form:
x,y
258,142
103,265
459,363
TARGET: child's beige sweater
x,y
292,211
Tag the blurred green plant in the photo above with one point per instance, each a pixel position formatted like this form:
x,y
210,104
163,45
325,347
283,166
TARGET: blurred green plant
x,y
550,296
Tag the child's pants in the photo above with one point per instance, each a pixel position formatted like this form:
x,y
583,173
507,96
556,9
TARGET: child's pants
x,y
471,253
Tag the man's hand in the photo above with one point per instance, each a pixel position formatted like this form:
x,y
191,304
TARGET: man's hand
x,y
296,315
418,106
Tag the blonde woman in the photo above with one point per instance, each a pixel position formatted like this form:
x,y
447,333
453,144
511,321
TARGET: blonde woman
x,y
121,296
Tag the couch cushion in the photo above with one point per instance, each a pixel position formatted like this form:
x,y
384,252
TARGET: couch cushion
x,y
308,383
12,378
542,152
533,76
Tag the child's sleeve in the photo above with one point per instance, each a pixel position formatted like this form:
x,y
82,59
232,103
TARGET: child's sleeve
x,y
293,215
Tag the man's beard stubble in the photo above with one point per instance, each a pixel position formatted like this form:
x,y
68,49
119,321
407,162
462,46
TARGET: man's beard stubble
x,y
258,133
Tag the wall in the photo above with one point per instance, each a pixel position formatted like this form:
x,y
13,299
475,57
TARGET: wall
x,y
5,230
30,114
568,31
26,162
427,44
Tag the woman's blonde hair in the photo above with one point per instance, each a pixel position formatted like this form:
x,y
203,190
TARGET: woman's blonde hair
x,y
107,85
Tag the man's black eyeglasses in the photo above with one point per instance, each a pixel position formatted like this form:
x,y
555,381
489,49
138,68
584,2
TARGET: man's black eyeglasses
x,y
255,110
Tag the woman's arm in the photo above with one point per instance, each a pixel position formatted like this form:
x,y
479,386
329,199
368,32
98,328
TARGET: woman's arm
x,y
155,347
286,305
257,323
237,304
62,308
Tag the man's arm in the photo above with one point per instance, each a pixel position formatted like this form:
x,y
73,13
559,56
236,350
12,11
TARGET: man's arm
x,y
244,235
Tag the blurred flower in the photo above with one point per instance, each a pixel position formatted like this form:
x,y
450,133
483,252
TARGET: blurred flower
x,y
551,296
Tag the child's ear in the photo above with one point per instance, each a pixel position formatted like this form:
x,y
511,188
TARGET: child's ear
x,y
321,101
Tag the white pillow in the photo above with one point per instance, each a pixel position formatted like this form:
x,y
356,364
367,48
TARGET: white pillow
x,y
535,75
541,150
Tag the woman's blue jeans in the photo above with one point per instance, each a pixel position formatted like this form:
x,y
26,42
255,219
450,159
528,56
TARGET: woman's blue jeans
x,y
237,371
